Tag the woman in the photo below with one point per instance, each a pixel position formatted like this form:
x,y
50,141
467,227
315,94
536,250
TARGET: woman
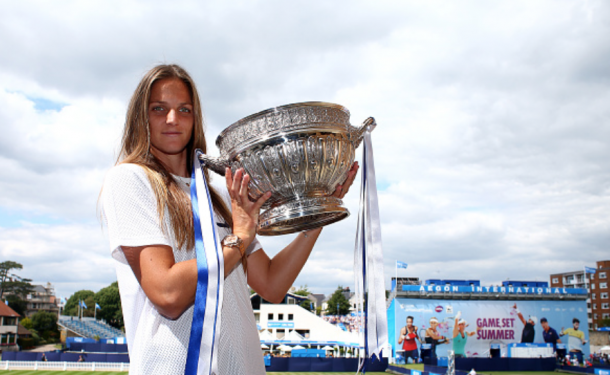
x,y
433,337
408,338
460,336
147,210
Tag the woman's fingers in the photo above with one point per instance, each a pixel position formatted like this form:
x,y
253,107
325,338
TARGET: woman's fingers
x,y
260,201
342,189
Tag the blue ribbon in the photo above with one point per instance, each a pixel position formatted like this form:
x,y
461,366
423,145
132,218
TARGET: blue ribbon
x,y
192,357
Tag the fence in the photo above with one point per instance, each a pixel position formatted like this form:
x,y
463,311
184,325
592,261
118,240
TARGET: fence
x,y
65,366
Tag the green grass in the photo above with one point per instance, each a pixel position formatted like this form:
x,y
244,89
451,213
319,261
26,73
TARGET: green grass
x,y
32,372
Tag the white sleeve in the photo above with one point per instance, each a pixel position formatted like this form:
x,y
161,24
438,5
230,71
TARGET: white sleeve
x,y
130,210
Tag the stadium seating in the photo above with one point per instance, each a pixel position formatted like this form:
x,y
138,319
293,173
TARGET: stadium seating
x,y
89,327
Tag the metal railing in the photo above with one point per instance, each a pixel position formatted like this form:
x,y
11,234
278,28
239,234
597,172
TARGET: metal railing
x,y
65,366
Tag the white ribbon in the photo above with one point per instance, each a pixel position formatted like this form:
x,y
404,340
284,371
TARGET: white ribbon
x,y
211,255
368,263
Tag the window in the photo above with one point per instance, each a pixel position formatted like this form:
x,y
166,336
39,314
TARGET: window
x,y
603,296
592,277
595,316
290,316
605,316
593,296
595,306
593,286
269,316
555,280
603,285
280,316
602,275
605,306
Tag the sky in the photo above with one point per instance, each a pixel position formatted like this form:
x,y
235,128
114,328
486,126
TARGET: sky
x,y
491,150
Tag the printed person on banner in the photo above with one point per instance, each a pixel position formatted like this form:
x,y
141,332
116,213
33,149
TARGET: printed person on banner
x,y
433,337
150,221
576,339
408,338
527,336
460,336
549,334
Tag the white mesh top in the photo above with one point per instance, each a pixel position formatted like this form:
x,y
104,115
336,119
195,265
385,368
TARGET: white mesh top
x,y
158,345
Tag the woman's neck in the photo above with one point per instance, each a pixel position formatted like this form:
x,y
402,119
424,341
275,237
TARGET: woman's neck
x,y
175,164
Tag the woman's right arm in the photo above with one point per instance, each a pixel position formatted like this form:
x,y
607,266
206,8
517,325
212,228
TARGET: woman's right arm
x,y
170,286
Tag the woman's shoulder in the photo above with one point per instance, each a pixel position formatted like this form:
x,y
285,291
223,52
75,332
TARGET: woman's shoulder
x,y
125,172
126,175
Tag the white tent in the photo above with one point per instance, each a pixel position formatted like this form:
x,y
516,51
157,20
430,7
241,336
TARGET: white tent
x,y
328,348
605,349
263,346
284,348
293,336
297,347
265,335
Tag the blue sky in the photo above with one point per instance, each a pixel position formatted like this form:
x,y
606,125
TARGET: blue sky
x,y
491,148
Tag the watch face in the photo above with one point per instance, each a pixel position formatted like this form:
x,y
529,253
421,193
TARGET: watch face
x,y
231,238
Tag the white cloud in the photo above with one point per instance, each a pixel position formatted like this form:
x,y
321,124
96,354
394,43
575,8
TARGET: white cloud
x,y
490,149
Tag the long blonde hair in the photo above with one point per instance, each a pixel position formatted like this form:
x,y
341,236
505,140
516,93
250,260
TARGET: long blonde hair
x,y
135,149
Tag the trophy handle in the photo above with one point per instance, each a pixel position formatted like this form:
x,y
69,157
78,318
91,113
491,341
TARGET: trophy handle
x,y
217,165
356,134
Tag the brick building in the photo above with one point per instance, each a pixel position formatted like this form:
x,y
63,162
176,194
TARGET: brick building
x,y
598,303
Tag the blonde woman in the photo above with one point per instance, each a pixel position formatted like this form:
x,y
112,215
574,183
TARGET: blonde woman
x,y
433,337
147,210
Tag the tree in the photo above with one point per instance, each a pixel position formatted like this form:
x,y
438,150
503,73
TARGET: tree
x,y
11,284
302,291
604,322
71,307
338,299
109,300
44,321
17,304
5,267
26,322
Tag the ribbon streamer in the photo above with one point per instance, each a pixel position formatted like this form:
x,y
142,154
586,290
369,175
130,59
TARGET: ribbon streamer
x,y
368,263
202,354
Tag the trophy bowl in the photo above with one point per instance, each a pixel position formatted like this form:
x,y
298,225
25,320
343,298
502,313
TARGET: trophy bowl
x,y
300,152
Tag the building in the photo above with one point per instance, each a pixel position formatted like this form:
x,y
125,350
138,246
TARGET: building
x,y
9,327
288,321
42,298
597,287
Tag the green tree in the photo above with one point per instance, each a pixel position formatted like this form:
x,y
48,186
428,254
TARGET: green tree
x,y
109,300
71,307
44,321
338,299
26,322
14,288
302,291
604,322
17,304
5,267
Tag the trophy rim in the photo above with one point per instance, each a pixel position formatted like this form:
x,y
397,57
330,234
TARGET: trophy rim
x,y
280,108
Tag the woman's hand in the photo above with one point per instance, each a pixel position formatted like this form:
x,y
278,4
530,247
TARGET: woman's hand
x,y
343,188
245,212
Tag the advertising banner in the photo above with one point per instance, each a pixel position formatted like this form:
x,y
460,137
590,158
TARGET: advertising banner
x,y
486,324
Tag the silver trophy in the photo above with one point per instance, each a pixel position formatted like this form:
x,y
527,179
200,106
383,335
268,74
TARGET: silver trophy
x,y
300,152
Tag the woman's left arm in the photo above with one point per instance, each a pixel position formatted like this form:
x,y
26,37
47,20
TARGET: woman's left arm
x,y
271,278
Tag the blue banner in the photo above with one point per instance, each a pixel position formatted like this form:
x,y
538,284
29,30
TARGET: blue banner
x,y
400,264
489,323
590,270
490,289
280,325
